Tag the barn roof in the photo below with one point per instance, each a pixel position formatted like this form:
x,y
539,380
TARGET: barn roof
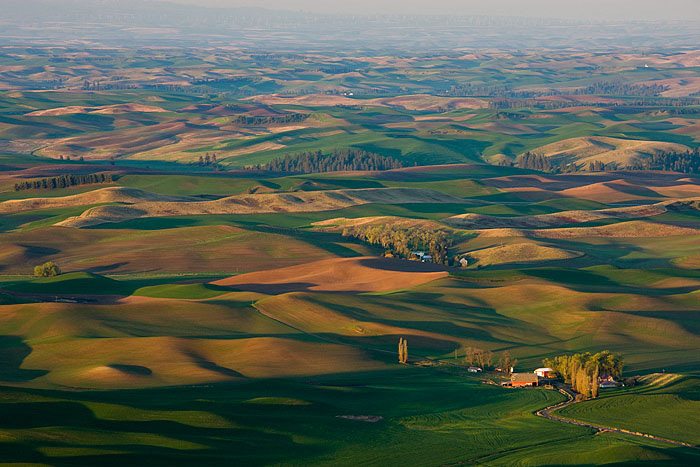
x,y
524,378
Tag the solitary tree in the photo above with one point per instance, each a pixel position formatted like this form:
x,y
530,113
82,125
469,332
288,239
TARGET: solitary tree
x,y
403,350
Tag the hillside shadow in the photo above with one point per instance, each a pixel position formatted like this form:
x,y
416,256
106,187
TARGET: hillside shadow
x,y
202,362
134,370
107,267
385,264
34,251
572,277
274,289
13,351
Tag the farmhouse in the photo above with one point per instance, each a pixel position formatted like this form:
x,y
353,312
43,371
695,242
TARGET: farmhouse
x,y
422,256
474,369
545,373
519,380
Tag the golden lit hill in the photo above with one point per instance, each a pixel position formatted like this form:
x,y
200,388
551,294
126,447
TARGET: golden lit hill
x,y
311,201
99,196
363,274
583,150
519,253
557,219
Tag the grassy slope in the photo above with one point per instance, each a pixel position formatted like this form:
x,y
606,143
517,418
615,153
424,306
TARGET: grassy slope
x,y
607,299
668,409
429,418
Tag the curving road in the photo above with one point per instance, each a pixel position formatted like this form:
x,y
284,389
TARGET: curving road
x,y
550,414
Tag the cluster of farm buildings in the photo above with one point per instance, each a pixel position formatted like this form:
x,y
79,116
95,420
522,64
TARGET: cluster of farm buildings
x,y
543,376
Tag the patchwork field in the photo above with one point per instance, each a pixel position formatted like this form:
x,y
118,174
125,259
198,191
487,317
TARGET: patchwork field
x,y
211,300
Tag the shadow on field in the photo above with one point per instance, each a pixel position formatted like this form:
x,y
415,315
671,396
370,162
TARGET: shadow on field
x,y
107,267
135,370
211,366
401,266
13,351
276,289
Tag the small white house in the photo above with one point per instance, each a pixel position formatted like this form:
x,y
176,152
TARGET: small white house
x,y
545,372
474,369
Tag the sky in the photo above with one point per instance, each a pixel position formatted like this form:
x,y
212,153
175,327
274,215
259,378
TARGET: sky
x,y
578,9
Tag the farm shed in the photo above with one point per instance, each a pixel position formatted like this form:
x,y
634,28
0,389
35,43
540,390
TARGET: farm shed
x,y
519,380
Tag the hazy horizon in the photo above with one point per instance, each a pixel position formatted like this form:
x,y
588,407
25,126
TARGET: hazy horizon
x,y
585,9
408,25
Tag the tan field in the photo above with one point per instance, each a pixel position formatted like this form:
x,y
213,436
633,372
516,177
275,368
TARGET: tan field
x,y
479,221
99,196
260,203
604,149
217,248
364,274
615,191
520,253
163,361
631,229
104,110
409,102
338,224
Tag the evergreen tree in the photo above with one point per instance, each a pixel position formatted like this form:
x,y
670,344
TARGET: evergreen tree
x,y
338,160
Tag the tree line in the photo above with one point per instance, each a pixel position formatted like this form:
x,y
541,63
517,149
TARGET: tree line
x,y
64,181
600,88
683,162
633,104
207,160
403,242
534,161
270,119
487,360
338,160
582,370
619,88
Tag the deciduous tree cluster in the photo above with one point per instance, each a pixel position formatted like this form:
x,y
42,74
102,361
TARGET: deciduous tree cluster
x,y
480,357
582,370
48,269
403,242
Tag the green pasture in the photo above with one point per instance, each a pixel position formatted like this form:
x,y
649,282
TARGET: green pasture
x,y
670,410
425,416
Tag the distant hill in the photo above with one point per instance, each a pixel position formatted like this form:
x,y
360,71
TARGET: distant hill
x,y
624,152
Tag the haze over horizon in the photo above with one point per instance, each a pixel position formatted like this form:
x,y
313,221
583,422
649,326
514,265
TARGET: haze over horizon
x,y
586,9
384,24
